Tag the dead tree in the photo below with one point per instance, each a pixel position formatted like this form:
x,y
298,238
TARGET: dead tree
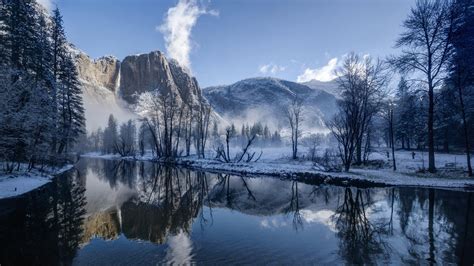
x,y
202,128
223,150
163,113
361,82
126,144
294,115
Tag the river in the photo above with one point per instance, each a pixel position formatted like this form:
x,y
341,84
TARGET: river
x,y
111,212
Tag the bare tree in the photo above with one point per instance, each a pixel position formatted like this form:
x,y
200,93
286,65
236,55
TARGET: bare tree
x,y
343,128
202,128
126,144
163,114
426,48
188,129
294,115
362,84
223,150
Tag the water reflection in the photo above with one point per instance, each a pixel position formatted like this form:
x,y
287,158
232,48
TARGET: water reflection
x,y
361,238
144,213
44,227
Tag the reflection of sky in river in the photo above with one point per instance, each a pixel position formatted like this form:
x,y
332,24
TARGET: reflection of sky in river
x,y
145,214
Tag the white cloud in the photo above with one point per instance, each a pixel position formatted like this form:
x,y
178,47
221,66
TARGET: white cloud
x,y
324,217
324,73
271,69
177,26
48,4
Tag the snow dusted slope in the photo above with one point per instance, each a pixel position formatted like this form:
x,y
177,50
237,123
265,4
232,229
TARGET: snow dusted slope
x,y
265,99
329,86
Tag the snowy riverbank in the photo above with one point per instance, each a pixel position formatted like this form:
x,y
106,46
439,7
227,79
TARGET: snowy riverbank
x,y
22,181
280,166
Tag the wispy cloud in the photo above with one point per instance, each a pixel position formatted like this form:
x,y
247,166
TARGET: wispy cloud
x,y
177,26
324,73
271,69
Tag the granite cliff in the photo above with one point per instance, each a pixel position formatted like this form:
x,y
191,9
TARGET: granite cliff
x,y
110,85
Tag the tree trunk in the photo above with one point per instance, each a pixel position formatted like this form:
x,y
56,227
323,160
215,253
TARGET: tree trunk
x,y
359,152
431,150
392,141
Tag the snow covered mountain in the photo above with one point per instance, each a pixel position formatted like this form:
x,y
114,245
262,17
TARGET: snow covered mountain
x,y
265,100
109,85
329,86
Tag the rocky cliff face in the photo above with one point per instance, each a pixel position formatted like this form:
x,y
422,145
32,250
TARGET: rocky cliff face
x,y
146,72
104,72
110,86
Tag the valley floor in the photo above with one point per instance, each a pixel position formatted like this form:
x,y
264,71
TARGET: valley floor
x,y
22,181
277,162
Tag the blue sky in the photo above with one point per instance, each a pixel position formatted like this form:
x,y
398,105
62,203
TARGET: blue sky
x,y
223,41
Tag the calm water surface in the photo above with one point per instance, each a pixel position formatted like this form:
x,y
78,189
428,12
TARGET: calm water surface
x,y
109,212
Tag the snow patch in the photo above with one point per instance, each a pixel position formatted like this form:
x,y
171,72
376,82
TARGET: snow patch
x,y
21,182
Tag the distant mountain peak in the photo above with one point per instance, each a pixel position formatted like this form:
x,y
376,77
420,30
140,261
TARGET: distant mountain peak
x,y
264,99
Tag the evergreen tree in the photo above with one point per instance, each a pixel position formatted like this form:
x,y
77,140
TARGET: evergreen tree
x,y
404,113
35,69
111,135
461,76
67,97
71,121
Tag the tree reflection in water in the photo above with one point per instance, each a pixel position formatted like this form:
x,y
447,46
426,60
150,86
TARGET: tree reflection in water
x,y
361,239
45,226
168,203
437,225
294,207
161,204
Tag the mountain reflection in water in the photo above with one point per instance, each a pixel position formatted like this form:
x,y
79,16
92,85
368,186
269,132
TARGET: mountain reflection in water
x,y
123,212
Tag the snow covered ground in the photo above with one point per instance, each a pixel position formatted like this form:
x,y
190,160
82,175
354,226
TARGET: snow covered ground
x,y
22,181
277,162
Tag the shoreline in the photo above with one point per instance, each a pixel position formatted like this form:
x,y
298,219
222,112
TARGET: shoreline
x,y
304,172
17,184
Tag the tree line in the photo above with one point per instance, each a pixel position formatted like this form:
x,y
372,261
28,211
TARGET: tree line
x,y
42,113
433,104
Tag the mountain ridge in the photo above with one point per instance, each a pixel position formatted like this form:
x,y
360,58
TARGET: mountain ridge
x,y
264,99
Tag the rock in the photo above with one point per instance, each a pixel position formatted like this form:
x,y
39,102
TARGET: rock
x,y
146,72
103,72
109,86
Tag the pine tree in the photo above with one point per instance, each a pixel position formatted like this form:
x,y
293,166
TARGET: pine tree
x,y
35,69
111,135
71,121
26,81
67,95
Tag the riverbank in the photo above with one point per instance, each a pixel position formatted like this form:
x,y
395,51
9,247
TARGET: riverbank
x,y
407,175
23,181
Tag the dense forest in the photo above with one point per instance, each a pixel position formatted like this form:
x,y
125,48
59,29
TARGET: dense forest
x,y
42,112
